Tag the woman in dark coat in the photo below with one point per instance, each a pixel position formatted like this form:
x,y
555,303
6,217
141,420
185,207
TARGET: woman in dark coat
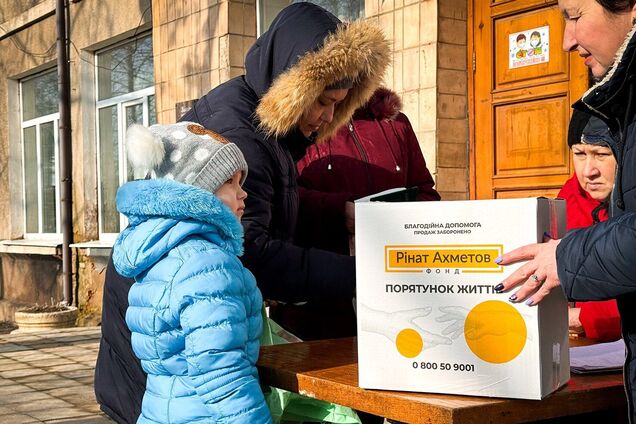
x,y
304,79
586,195
599,262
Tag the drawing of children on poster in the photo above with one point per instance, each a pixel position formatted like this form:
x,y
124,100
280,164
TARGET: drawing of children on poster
x,y
521,46
535,43
529,47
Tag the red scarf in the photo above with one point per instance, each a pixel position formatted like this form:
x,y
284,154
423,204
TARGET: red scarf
x,y
580,205
600,320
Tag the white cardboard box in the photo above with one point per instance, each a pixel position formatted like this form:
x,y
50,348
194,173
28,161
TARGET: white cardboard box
x,y
428,317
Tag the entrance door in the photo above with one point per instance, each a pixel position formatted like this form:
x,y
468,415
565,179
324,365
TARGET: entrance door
x,y
524,84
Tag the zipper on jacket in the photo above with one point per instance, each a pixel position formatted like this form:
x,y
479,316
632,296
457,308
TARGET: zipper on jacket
x,y
362,153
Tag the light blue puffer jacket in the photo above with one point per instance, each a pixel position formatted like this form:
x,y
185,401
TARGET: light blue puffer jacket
x,y
194,310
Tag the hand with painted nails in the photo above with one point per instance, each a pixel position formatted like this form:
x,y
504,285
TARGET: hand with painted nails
x,y
537,277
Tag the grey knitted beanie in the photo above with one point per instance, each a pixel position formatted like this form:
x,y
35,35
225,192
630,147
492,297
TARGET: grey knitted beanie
x,y
184,152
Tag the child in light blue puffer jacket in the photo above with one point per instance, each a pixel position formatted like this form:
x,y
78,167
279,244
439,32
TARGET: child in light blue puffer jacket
x,y
194,310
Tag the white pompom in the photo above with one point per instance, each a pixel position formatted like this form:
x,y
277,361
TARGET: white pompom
x,y
145,150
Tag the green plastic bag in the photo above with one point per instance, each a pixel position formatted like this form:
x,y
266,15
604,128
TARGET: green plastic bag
x,y
288,406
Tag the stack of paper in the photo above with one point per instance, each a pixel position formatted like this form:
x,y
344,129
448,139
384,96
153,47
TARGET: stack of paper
x,y
602,357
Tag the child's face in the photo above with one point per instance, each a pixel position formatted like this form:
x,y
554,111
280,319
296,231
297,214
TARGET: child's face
x,y
232,194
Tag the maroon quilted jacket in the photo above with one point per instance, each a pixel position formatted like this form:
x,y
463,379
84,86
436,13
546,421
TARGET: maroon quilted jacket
x,y
378,150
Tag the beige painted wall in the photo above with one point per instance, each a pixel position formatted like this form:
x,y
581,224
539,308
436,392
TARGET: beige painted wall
x,y
13,8
198,44
94,24
429,72
25,49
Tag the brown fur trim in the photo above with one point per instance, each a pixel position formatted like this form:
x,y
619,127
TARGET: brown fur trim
x,y
358,51
384,104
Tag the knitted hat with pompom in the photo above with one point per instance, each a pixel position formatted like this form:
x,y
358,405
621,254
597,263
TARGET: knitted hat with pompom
x,y
185,152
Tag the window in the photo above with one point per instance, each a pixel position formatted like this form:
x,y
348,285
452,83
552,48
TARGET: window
x,y
348,10
39,110
125,95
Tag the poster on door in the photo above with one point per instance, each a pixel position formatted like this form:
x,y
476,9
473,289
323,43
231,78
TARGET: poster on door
x,y
529,47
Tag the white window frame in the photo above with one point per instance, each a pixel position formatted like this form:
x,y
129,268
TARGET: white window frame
x,y
37,122
121,102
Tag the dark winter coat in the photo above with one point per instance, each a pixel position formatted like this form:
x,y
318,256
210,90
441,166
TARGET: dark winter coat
x,y
260,112
599,262
600,319
119,380
376,151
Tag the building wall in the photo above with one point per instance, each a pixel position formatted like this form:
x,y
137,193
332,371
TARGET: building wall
x,y
452,100
90,270
197,45
25,278
27,46
429,72
15,8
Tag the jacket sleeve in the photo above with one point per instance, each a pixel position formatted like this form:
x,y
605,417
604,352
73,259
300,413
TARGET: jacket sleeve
x,y
321,219
215,321
601,320
599,262
418,173
283,270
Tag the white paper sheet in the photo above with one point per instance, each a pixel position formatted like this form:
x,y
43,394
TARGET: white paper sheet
x,y
601,357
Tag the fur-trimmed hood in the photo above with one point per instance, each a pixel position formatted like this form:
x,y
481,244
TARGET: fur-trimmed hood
x,y
384,104
305,50
161,214
613,100
610,98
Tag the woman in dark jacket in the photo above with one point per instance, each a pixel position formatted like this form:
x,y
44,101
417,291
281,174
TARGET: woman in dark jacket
x,y
375,151
304,78
300,62
598,262
586,195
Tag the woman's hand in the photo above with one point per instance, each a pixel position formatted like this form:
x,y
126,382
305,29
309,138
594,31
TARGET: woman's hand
x,y
537,277
574,321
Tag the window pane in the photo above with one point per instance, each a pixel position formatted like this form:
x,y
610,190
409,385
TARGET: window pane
x,y
39,96
125,68
31,180
109,168
347,10
49,180
134,115
268,11
152,110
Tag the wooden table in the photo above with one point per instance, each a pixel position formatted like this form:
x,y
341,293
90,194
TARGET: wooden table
x,y
328,370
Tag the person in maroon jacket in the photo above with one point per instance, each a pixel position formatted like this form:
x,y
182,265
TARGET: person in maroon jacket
x,y
587,194
376,151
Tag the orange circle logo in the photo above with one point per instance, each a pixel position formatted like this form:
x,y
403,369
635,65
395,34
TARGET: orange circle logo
x,y
495,331
409,343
